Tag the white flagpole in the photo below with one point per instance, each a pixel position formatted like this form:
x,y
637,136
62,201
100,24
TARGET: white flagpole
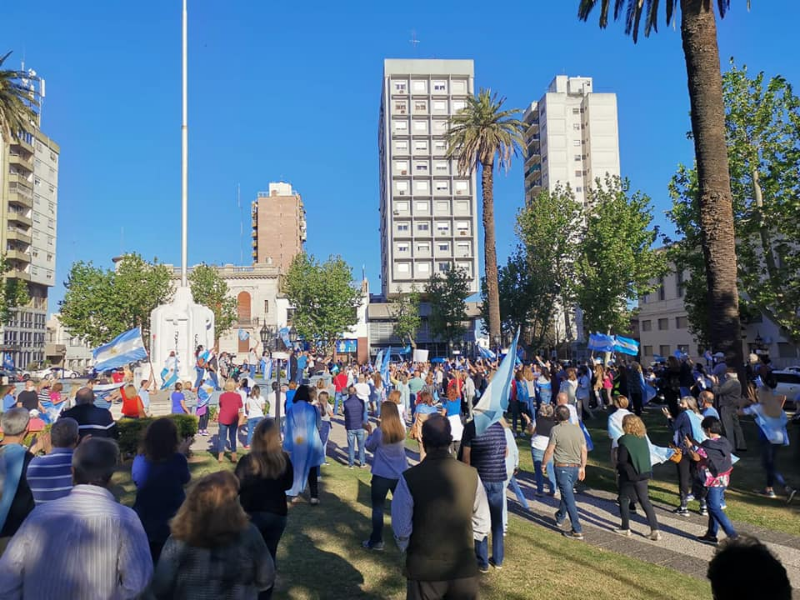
x,y
184,160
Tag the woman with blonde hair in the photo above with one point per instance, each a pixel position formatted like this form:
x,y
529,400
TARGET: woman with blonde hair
x,y
214,551
598,376
388,445
635,469
425,409
265,474
231,409
132,406
395,397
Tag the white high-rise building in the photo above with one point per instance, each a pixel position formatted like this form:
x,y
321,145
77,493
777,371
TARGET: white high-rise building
x,y
428,211
572,137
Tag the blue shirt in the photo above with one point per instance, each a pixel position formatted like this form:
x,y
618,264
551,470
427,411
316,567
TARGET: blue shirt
x,y
354,408
159,492
177,398
289,400
710,412
9,402
389,459
50,476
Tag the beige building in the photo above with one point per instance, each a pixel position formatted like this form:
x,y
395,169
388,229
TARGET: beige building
x,y
664,328
64,349
279,226
428,210
572,137
28,227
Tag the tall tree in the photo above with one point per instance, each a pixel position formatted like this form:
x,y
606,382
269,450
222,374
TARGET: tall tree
x,y
14,293
484,134
16,102
99,304
405,311
699,35
617,262
324,298
550,227
762,121
447,295
211,290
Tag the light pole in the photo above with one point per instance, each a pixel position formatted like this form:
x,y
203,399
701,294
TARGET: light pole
x,y
185,155
267,334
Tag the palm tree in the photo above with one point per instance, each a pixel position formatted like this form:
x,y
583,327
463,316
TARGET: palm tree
x,y
16,102
699,36
483,134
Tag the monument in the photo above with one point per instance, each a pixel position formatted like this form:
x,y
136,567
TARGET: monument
x,y
181,325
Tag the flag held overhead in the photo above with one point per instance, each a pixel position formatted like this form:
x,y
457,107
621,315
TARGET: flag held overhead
x,y
494,401
124,349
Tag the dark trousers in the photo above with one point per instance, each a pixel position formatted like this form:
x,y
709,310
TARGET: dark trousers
x,y
155,550
271,527
684,478
455,589
636,401
313,486
635,491
731,427
769,452
381,486
203,424
515,411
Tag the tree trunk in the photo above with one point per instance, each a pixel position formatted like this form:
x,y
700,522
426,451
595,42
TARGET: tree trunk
x,y
490,251
699,35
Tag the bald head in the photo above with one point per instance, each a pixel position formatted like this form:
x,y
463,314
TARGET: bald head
x,y
562,398
85,395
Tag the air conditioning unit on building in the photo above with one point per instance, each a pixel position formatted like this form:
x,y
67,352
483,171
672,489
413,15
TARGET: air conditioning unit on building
x,y
462,232
459,192
402,192
396,212
403,172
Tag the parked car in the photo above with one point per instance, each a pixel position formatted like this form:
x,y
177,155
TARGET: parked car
x,y
56,372
15,374
789,386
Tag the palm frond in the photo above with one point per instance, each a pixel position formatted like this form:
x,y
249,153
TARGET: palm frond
x,y
17,102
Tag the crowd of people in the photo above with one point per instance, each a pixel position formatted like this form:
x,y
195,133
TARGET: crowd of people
x,y
449,512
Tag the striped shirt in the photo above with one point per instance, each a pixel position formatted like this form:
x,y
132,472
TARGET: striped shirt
x,y
93,420
50,476
85,545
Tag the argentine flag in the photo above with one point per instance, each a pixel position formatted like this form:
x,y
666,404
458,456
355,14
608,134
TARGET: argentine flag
x,y
487,354
625,345
169,374
124,349
387,358
494,401
600,342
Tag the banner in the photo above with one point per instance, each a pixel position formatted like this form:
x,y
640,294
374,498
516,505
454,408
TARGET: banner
x,y
347,346
625,345
420,356
600,342
124,349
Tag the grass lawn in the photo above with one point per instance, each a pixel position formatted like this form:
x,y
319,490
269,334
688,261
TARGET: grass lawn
x,y
320,555
744,503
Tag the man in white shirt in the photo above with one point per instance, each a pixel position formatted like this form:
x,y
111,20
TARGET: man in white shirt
x,y
85,545
563,400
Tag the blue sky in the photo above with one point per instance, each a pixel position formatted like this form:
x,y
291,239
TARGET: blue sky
x,y
291,90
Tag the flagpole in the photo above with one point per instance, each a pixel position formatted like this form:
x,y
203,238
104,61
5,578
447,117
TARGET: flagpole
x,y
184,158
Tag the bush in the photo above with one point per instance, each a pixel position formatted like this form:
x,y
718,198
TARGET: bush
x,y
131,431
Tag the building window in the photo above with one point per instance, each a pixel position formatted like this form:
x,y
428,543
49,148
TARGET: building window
x,y
420,106
578,173
661,292
423,227
444,247
663,350
576,126
441,167
577,158
423,247
441,186
401,167
401,146
462,188
576,143
647,350
421,145
400,87
419,86
421,186
459,87
442,227
402,267
679,284
401,206
402,227
458,105
424,267
683,348
440,125
421,167
439,86
400,126
400,107
442,207
440,145
420,126
243,307
647,325
681,322
579,189
663,324
422,207
402,187
645,298
266,307
443,267
575,111
402,248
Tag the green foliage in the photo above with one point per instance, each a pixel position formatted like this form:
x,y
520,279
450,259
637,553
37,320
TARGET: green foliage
x,y
100,304
482,130
131,431
326,301
209,289
17,102
550,228
762,120
405,310
617,262
447,295
14,293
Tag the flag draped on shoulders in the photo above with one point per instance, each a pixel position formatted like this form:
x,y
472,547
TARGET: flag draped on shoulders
x,y
169,374
302,443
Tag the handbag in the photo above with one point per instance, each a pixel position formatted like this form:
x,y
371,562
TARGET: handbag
x,y
677,456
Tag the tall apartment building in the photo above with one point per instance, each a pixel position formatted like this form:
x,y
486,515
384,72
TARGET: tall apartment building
x,y
428,211
28,226
572,137
279,226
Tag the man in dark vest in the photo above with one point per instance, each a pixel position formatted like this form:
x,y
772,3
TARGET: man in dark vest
x,y
439,510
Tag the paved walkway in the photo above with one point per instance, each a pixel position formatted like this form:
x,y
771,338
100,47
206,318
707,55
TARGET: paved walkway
x,y
598,510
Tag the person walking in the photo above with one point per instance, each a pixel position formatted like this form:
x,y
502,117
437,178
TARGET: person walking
x,y
160,471
683,428
230,412
214,551
539,430
729,400
265,475
254,410
636,388
567,448
439,552
487,453
325,414
303,444
583,393
354,411
512,466
387,443
635,470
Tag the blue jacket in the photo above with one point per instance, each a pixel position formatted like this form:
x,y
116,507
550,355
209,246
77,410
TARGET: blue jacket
x,y
353,413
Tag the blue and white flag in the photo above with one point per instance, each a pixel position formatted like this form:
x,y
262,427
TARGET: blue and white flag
x,y
266,369
487,354
8,362
494,401
302,443
589,442
600,342
103,393
625,345
376,367
243,335
169,374
387,357
284,333
124,349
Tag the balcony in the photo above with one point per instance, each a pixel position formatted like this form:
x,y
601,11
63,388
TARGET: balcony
x,y
17,196
536,168
20,161
20,181
18,255
19,217
23,144
19,274
247,322
18,235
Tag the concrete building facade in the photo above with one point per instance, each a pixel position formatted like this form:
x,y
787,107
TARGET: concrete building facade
x,y
428,210
572,137
279,226
64,349
28,231
664,327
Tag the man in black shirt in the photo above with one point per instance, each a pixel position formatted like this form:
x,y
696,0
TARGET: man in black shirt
x,y
92,420
28,398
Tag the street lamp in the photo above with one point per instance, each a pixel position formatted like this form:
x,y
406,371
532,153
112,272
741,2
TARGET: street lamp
x,y
293,336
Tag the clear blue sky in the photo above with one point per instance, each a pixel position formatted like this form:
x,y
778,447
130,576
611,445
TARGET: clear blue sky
x,y
291,90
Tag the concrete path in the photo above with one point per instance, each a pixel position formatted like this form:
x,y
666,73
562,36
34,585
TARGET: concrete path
x,y
599,513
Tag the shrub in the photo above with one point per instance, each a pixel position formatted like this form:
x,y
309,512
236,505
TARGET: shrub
x,y
131,431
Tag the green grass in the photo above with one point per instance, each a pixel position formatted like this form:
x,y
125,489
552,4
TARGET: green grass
x,y
320,555
744,504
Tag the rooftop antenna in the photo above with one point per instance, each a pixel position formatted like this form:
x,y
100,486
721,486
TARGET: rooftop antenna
x,y
414,41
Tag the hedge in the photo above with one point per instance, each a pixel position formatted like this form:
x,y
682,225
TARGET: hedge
x,y
131,431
